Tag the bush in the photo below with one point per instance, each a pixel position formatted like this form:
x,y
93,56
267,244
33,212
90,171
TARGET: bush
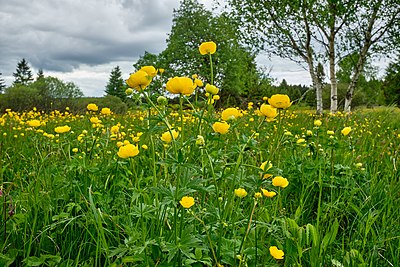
x,y
19,98
114,103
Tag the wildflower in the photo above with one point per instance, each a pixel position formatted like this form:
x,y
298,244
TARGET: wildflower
x,y
145,147
268,111
359,165
215,97
187,202
230,113
92,107
276,253
329,132
208,48
279,181
346,130
257,195
162,100
75,150
127,151
240,192
34,123
280,101
317,123
266,165
114,129
150,70
221,127
161,71
105,111
211,89
267,193
139,80
95,120
200,140
62,129
168,136
180,85
300,141
309,133
129,91
198,82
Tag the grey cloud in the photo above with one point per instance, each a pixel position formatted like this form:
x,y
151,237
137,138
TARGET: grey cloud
x,y
61,35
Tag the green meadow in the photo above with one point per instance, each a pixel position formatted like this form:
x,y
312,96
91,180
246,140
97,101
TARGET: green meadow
x,y
165,187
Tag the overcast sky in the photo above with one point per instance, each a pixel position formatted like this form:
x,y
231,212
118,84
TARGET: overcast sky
x,y
82,41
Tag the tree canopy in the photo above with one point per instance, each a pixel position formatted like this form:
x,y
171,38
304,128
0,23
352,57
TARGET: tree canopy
x,y
23,74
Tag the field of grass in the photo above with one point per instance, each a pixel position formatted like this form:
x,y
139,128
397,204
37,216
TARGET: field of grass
x,y
113,190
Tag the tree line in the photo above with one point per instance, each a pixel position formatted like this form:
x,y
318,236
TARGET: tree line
x,y
342,37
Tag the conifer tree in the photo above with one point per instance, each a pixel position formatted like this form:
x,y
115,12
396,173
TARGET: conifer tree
x,y
23,73
116,85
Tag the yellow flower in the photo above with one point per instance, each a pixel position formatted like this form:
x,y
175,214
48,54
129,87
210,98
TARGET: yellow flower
x,y
200,140
129,91
267,193
95,120
198,82
145,147
230,114
268,111
208,48
257,195
167,137
266,165
75,150
139,80
215,97
127,151
280,182
62,129
221,127
317,123
211,89
329,132
114,129
150,70
160,70
240,192
34,123
105,111
346,130
187,202
276,253
92,107
280,101
180,85
300,141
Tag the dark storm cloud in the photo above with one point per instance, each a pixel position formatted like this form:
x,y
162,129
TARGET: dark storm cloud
x,y
62,35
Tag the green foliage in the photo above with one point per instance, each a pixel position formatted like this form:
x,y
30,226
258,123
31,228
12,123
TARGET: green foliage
x,y
113,102
116,85
391,84
23,74
19,98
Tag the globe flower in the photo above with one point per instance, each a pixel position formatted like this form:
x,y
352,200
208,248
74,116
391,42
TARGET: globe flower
x,y
200,140
187,202
268,111
276,253
221,127
279,181
105,111
240,192
198,82
92,107
62,129
266,165
346,130
269,194
208,48
33,123
180,85
162,100
161,71
215,97
168,136
330,132
139,80
280,101
317,123
126,151
150,70
211,89
257,195
230,114
129,91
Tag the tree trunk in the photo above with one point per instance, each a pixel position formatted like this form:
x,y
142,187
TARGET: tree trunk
x,y
332,71
317,86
